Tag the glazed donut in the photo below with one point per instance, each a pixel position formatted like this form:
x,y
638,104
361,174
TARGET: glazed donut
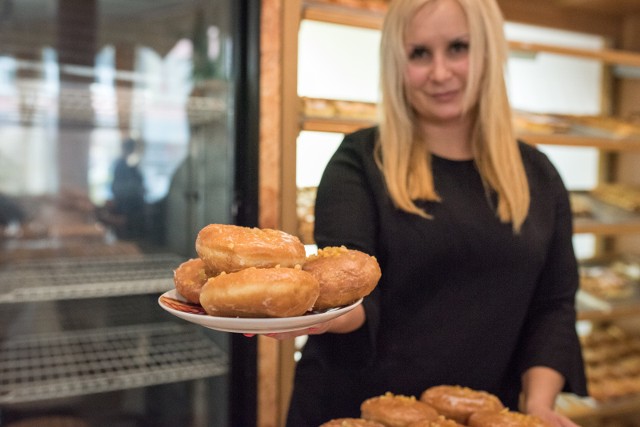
x,y
231,248
260,292
394,410
438,422
190,277
458,403
351,422
505,418
345,275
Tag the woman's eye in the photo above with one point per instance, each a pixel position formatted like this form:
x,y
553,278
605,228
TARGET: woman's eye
x,y
419,52
459,47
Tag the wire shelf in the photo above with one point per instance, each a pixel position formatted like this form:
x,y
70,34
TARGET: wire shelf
x,y
73,315
67,364
73,278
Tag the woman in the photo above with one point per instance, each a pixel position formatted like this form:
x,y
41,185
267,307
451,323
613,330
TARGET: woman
x,y
472,231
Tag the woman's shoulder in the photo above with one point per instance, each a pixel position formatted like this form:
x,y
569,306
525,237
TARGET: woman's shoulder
x,y
365,136
532,157
360,143
540,170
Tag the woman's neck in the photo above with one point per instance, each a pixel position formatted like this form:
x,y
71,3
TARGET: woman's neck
x,y
451,140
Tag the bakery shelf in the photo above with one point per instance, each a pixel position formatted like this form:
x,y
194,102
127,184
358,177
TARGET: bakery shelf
x,y
74,278
373,19
597,310
603,133
606,219
343,15
338,125
604,143
579,409
346,125
67,364
607,56
79,314
609,288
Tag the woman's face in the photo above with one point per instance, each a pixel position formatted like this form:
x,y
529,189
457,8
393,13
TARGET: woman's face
x,y
437,48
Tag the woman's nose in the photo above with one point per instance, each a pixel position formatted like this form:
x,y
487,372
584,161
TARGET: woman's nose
x,y
440,68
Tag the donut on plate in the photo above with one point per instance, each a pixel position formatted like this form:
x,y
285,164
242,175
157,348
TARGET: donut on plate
x,y
458,403
505,418
351,422
190,277
229,248
345,275
260,292
395,410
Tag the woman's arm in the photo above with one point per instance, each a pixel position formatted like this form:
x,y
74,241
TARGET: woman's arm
x,y
540,388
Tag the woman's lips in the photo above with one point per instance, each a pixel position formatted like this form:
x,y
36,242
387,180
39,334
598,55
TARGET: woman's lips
x,y
445,96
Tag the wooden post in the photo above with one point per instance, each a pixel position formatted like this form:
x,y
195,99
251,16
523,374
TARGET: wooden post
x,y
277,187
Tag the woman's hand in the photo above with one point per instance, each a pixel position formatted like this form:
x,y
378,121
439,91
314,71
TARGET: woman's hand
x,y
317,329
551,417
346,323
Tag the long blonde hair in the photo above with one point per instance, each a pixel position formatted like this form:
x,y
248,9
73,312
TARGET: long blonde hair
x,y
405,162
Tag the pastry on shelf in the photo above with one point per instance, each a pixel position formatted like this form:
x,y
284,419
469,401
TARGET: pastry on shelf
x,y
339,109
306,200
604,282
628,266
526,122
356,110
318,107
612,363
580,205
612,126
625,196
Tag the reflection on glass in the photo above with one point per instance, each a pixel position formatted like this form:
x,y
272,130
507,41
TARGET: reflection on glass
x,y
116,143
71,95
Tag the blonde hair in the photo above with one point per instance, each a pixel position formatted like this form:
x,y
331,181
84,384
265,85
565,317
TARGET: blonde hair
x,y
399,153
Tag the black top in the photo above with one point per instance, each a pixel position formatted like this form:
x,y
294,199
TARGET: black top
x,y
462,300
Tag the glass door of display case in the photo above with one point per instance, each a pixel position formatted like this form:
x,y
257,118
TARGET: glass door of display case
x,y
118,143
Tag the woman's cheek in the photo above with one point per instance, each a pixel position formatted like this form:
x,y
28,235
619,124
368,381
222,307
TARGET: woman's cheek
x,y
415,76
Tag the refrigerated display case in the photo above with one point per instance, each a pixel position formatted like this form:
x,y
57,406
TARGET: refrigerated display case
x,y
84,259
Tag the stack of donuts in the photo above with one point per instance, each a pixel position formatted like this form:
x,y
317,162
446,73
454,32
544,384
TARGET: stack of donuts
x,y
438,406
254,273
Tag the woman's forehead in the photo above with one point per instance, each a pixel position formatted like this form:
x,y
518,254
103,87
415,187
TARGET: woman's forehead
x,y
437,19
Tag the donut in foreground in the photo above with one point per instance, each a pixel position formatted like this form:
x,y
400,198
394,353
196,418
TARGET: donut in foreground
x,y
345,275
260,292
458,403
190,277
228,248
438,422
394,410
351,422
505,418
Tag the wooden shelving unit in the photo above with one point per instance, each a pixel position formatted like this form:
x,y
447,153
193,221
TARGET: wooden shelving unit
x,y
336,125
343,15
569,140
590,16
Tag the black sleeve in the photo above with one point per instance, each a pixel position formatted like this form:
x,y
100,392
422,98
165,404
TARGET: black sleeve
x,y
550,337
345,214
345,211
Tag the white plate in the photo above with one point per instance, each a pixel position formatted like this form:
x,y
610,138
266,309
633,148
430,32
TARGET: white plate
x,y
255,326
